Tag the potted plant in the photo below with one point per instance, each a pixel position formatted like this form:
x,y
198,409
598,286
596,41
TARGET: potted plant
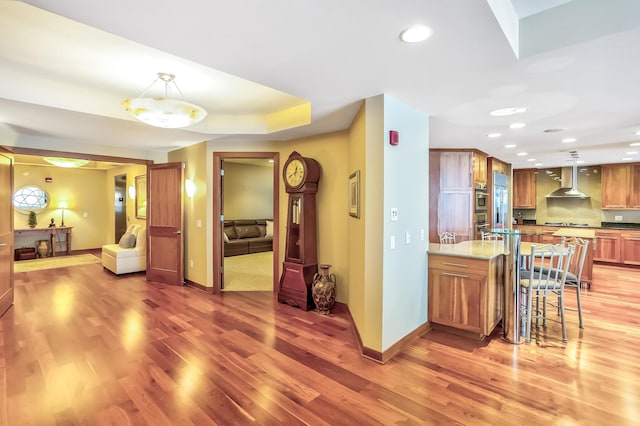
x,y
33,220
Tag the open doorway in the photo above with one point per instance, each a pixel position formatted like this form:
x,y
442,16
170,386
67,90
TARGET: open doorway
x,y
120,210
246,240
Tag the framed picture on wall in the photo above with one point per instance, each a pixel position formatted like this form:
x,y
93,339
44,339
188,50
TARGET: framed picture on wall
x,y
141,197
354,194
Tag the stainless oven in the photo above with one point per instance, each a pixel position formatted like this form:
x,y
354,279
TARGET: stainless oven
x,y
481,224
481,197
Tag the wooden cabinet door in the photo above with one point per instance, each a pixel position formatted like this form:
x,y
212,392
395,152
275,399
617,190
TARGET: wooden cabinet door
x,y
524,189
457,299
455,214
456,171
630,250
479,168
635,187
616,186
607,246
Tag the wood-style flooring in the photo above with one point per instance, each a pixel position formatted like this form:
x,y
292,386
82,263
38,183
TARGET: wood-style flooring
x,y
82,346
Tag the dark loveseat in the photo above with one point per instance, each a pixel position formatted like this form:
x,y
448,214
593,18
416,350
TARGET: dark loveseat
x,y
247,236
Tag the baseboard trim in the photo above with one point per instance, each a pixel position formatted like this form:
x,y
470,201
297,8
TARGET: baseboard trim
x,y
382,357
198,286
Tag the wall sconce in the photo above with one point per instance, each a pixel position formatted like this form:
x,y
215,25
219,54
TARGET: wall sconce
x,y
132,192
63,205
190,187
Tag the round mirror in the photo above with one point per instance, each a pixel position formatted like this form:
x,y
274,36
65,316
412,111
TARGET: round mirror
x,y
30,198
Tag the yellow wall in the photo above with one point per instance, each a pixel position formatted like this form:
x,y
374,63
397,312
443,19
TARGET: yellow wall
x,y
248,191
356,228
331,151
195,212
82,189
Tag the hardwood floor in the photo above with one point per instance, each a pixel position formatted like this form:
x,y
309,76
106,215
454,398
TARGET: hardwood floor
x,y
82,346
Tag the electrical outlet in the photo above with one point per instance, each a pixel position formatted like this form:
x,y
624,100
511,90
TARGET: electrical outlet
x,y
85,214
191,263
422,235
199,223
617,218
394,213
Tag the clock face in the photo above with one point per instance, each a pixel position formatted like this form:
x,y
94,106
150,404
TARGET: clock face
x,y
294,173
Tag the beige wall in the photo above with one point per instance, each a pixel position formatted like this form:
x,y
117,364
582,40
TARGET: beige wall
x,y
196,254
248,191
82,189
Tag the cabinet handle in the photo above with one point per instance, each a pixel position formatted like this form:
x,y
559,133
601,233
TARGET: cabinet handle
x,y
632,239
614,205
451,274
455,264
3,244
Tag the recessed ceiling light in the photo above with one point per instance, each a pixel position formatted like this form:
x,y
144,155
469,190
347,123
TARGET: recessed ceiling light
x,y
638,133
521,154
579,161
270,161
494,135
416,34
538,164
65,162
511,145
635,144
631,153
554,130
503,112
568,140
516,125
531,159
627,158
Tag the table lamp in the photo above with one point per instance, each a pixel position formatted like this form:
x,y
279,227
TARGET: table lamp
x,y
63,205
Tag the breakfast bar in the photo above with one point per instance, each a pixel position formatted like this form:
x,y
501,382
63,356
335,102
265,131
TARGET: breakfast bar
x,y
466,286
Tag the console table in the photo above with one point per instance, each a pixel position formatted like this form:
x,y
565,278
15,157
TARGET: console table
x,y
52,234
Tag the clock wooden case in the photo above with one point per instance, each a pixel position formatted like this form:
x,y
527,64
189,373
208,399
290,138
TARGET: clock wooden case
x,y
301,176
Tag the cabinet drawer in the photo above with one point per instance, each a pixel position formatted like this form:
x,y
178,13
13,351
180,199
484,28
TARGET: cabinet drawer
x,y
458,264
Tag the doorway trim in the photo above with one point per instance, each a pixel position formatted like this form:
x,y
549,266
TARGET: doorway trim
x,y
218,248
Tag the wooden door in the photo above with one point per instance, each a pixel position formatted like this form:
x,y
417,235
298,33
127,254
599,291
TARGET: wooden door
x,y
164,223
6,233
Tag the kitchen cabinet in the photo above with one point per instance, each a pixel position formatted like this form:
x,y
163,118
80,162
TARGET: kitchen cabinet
x,y
451,191
607,245
499,166
529,229
524,188
466,293
479,168
620,186
630,247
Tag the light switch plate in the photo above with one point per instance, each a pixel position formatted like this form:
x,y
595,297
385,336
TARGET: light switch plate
x,y
393,242
407,238
422,235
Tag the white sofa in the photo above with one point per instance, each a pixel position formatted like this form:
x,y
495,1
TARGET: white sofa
x,y
125,260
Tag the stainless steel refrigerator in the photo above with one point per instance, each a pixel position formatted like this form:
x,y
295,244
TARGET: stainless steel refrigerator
x,y
500,207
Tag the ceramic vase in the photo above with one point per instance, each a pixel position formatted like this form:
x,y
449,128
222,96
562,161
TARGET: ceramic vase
x,y
323,290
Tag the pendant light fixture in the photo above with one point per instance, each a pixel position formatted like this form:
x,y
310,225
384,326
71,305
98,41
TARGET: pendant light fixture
x,y
165,111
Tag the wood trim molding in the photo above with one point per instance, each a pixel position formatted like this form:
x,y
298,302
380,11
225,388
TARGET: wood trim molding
x,y
198,286
382,357
79,155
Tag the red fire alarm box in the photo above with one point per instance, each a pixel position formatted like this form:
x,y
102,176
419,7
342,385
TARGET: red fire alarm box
x,y
394,139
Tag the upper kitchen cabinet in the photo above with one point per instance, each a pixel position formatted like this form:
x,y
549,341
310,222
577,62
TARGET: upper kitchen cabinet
x,y
620,186
499,166
479,168
524,188
451,191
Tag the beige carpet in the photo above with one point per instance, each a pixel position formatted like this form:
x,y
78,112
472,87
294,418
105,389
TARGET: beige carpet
x,y
54,262
249,272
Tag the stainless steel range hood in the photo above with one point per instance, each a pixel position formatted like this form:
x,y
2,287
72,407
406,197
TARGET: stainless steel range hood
x,y
569,185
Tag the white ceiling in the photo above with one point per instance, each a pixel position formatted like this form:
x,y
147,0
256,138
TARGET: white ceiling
x,y
256,66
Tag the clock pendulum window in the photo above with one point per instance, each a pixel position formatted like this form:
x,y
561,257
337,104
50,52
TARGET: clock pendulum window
x,y
301,176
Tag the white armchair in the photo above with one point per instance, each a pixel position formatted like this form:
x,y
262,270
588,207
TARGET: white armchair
x,y
121,260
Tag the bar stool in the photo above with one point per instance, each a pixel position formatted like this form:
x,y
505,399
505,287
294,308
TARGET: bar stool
x,y
574,274
447,238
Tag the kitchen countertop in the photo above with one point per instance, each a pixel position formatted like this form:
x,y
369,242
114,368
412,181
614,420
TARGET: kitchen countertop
x,y
603,225
475,249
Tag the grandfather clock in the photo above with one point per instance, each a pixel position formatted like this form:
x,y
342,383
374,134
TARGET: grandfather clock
x,y
301,177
